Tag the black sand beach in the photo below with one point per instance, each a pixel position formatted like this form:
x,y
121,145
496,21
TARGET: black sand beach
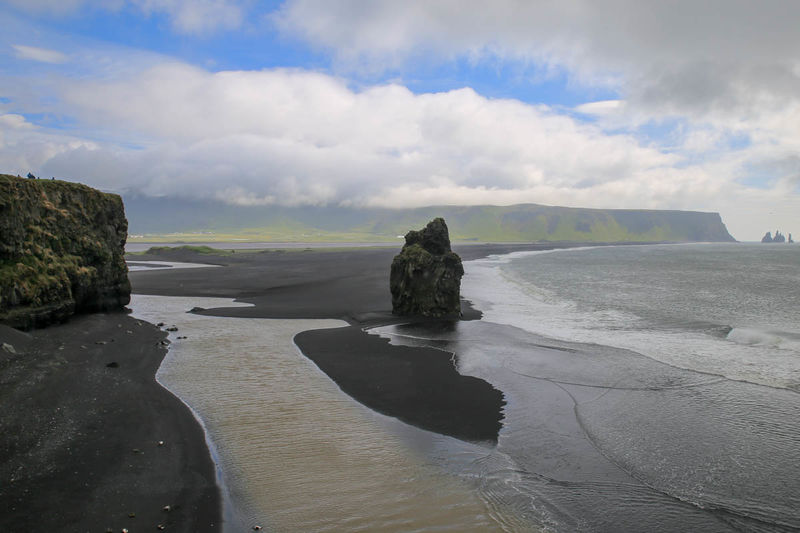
x,y
417,385
82,414
83,419
350,284
420,386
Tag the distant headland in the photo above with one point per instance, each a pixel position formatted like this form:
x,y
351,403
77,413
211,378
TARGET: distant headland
x,y
173,219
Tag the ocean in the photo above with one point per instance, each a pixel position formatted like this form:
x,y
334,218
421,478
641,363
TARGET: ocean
x,y
726,309
648,388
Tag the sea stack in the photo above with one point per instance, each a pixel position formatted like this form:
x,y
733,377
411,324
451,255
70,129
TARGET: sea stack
x,y
62,249
426,275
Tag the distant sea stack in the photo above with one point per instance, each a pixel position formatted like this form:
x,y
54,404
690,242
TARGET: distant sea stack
x,y
426,275
779,238
61,251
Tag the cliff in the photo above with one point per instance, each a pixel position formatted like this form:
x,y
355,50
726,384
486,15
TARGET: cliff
x,y
426,275
202,221
61,251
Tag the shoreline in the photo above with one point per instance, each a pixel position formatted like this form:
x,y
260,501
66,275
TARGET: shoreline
x,y
77,454
34,385
350,285
290,443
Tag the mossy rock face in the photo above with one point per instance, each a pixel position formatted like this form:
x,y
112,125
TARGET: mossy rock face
x,y
426,275
61,251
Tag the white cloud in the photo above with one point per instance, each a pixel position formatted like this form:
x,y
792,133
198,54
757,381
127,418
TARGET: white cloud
x,y
197,16
723,55
14,121
304,137
602,107
25,148
297,137
43,55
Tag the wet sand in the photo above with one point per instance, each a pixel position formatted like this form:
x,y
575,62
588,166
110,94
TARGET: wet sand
x,y
295,452
419,386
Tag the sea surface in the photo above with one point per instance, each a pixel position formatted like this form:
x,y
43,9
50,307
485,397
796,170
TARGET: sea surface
x,y
726,309
648,388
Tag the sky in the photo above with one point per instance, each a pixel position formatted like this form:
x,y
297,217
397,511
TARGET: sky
x,y
583,103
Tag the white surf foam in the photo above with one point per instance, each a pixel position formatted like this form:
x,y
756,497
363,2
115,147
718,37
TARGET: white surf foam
x,y
757,356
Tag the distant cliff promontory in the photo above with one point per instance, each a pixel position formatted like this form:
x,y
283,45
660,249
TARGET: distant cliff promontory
x,y
204,220
61,251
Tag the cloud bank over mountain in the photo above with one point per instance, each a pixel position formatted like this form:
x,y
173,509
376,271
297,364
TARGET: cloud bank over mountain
x,y
698,106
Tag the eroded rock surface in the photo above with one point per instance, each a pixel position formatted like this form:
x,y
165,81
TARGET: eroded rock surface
x,y
426,275
61,251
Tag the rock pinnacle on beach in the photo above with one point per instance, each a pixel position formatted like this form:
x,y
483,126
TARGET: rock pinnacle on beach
x,y
426,275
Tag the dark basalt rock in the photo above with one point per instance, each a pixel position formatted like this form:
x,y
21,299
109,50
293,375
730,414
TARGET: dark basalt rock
x,y
426,275
779,238
61,251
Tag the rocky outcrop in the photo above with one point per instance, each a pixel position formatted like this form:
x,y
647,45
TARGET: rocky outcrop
x,y
61,251
779,238
426,275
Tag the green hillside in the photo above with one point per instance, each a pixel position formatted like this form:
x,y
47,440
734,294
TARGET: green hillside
x,y
160,219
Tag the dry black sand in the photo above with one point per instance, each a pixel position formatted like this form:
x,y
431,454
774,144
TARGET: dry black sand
x,y
79,446
351,284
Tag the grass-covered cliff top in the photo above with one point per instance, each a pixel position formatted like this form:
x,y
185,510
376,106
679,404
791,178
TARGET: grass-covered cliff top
x,y
61,249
